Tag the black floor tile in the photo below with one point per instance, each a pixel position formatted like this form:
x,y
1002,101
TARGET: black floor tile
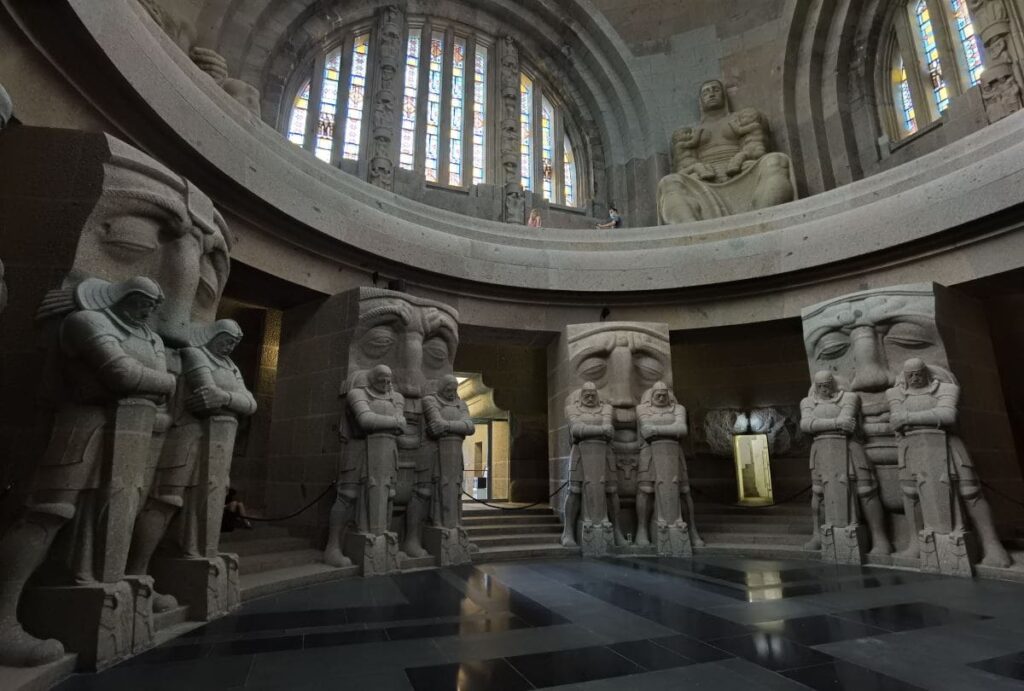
x,y
692,649
1007,665
255,646
462,628
772,651
846,677
816,630
479,675
910,616
164,655
572,666
323,640
650,656
205,674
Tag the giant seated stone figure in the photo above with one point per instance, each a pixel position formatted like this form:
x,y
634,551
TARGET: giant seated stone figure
x,y
661,423
723,165
842,478
590,429
936,472
115,380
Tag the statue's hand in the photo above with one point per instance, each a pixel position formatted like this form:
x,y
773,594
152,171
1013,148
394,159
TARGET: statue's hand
x,y
735,165
608,430
437,428
207,398
646,431
399,424
898,421
704,171
847,425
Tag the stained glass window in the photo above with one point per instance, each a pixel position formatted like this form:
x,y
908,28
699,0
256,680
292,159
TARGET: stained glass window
x,y
458,106
435,73
931,55
300,112
905,102
480,115
328,106
569,178
407,150
547,147
356,97
526,131
968,40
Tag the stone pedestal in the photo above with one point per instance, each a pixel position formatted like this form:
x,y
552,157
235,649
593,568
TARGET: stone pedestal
x,y
143,625
673,540
950,554
234,589
596,539
95,621
375,555
202,584
844,544
449,545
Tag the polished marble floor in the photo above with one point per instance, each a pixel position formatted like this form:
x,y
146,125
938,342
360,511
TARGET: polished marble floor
x,y
711,623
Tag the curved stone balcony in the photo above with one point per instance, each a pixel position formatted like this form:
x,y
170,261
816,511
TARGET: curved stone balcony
x,y
308,223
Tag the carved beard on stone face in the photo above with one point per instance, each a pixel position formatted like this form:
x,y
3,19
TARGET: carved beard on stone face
x,y
150,222
416,338
865,338
622,359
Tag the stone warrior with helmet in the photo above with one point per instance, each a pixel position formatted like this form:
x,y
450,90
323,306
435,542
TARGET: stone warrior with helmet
x,y
590,428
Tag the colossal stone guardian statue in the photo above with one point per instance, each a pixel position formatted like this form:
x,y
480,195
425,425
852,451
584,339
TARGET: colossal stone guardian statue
x,y
840,474
935,467
661,423
590,428
115,377
723,165
449,423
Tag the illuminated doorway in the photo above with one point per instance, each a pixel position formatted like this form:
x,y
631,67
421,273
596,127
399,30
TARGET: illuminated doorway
x,y
753,469
485,454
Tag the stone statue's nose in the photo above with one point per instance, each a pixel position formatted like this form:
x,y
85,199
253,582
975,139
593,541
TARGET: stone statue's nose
x,y
872,366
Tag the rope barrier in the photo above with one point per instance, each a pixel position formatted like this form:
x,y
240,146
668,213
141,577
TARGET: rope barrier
x,y
291,515
517,508
1007,497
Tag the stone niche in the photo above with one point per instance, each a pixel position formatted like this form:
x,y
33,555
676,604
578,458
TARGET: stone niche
x,y
74,206
864,338
623,359
326,348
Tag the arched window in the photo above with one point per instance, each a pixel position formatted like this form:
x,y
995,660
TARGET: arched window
x,y
933,56
445,126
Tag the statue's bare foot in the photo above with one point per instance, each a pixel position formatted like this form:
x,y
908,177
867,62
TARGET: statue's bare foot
x,y
620,539
414,550
695,540
642,540
163,602
19,649
909,553
568,541
998,558
814,544
334,557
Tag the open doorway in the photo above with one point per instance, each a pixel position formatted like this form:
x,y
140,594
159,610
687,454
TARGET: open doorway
x,y
485,454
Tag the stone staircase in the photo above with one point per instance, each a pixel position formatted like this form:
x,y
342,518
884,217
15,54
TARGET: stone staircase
x,y
778,531
505,534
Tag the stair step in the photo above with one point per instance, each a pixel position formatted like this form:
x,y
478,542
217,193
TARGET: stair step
x,y
754,518
247,548
798,528
260,532
550,527
795,508
754,538
499,520
509,540
509,553
511,511
172,617
255,585
256,563
406,563
758,551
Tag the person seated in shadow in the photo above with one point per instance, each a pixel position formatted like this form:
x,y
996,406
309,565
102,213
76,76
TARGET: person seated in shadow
x,y
614,219
234,513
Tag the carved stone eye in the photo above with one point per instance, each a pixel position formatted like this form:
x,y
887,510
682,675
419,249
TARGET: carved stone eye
x,y
592,368
832,346
378,341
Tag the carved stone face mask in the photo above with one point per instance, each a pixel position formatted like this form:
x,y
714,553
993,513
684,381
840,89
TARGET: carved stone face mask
x,y
150,222
622,359
414,337
866,337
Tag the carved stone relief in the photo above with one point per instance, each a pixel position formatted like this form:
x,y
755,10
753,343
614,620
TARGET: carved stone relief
x,y
511,182
390,46
1001,82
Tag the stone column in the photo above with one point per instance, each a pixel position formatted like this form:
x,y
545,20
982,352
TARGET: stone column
x,y
385,92
514,198
1002,80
